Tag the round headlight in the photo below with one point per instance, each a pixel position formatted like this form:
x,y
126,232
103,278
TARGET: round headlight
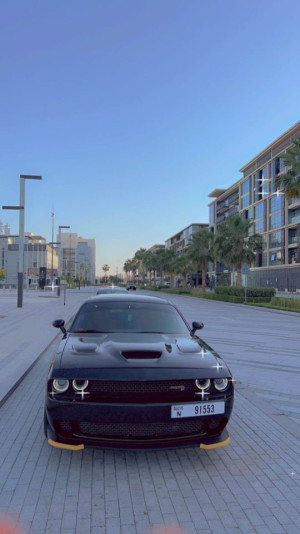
x,y
221,383
203,383
60,385
80,385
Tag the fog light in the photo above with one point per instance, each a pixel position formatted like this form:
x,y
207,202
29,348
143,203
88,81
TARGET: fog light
x,y
221,383
80,385
60,385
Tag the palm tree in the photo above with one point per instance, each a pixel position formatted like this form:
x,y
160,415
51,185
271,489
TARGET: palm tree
x,y
105,268
127,267
139,259
130,266
200,251
182,266
163,260
149,263
234,246
289,181
170,257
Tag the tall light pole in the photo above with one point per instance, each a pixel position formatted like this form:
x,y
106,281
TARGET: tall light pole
x,y
21,209
52,215
59,257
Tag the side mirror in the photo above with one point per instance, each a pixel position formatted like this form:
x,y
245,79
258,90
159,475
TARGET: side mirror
x,y
60,323
196,326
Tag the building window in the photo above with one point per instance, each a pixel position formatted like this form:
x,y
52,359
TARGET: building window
x,y
259,210
293,256
246,187
277,203
261,184
276,220
276,239
276,166
294,216
277,258
245,201
259,226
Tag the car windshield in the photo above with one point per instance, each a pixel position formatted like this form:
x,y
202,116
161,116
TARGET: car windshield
x,y
131,317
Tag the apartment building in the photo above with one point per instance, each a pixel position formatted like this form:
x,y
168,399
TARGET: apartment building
x,y
276,218
179,241
78,257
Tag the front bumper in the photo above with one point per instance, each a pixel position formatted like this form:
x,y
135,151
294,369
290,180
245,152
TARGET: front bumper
x,y
131,426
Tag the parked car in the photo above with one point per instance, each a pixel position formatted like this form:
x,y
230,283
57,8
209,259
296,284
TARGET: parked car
x,y
131,285
110,289
131,373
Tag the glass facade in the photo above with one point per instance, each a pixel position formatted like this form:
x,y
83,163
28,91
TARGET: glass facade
x,y
276,220
276,239
261,184
294,216
245,193
276,203
276,258
269,210
259,218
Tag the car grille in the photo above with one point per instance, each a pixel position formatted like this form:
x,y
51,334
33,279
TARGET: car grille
x,y
135,391
152,430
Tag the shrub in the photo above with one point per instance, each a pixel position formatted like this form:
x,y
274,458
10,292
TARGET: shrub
x,y
283,302
252,292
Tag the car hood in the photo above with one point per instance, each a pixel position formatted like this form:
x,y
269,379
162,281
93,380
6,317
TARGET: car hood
x,y
124,356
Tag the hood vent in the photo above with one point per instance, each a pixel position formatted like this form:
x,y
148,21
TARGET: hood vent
x,y
141,354
84,347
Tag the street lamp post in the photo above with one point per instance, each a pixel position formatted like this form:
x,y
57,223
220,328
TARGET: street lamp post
x,y
59,258
21,209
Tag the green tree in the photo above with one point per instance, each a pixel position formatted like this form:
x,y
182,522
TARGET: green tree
x,y
182,266
200,251
105,268
149,263
130,266
234,246
139,259
163,261
2,274
289,181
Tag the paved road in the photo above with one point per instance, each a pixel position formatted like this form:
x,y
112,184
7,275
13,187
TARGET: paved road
x,y
251,486
262,347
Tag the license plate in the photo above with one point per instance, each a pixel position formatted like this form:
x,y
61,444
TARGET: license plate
x,y
197,410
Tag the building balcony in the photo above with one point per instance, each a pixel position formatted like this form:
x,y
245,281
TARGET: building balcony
x,y
293,202
293,220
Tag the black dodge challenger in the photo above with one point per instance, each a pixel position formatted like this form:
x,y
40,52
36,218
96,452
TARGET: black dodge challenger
x,y
131,373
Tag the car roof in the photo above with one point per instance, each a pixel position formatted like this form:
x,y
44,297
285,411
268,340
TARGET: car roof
x,y
128,297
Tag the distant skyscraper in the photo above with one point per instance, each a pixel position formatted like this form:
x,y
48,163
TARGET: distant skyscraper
x,y
4,228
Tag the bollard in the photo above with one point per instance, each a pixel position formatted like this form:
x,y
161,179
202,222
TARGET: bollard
x,y
10,289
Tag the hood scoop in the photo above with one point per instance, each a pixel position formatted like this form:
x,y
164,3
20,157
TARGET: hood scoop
x,y
141,354
188,346
80,348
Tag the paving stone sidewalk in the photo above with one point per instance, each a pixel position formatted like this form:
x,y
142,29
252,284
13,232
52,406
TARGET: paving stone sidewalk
x,y
26,332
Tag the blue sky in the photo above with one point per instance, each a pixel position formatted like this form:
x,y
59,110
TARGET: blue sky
x,y
133,111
